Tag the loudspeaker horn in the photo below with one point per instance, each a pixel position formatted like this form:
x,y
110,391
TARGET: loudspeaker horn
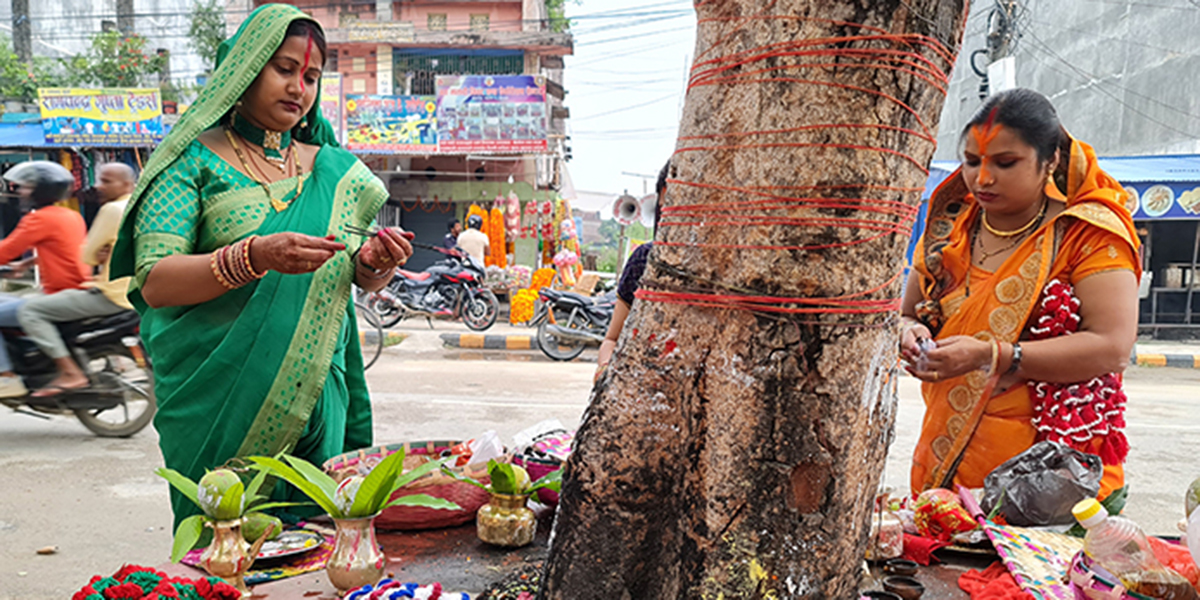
x,y
627,210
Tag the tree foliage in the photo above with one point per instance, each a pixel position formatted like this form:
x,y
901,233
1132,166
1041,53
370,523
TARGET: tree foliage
x,y
116,60
207,30
557,11
20,81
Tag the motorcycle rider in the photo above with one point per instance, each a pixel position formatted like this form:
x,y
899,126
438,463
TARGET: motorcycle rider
x,y
454,227
55,233
473,240
97,299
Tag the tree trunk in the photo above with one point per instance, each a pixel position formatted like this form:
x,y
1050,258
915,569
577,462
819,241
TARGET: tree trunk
x,y
734,446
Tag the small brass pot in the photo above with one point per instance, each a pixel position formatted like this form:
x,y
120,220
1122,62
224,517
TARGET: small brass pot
x,y
506,521
356,560
228,555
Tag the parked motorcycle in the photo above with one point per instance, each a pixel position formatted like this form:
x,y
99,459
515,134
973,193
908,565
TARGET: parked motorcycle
x,y
572,321
120,400
449,289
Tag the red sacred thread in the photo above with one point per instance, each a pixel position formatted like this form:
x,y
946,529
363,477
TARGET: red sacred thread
x,y
905,56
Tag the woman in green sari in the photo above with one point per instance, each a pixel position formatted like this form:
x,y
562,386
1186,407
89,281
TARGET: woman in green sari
x,y
242,266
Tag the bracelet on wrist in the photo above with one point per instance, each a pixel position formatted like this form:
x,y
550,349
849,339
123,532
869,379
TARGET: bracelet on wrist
x,y
1015,363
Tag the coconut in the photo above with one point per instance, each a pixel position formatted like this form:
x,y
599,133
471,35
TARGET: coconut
x,y
211,492
346,492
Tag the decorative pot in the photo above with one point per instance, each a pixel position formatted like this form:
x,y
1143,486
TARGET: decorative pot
x,y
356,560
506,521
228,555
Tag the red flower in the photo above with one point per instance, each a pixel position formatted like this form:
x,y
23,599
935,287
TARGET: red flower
x,y
128,570
125,590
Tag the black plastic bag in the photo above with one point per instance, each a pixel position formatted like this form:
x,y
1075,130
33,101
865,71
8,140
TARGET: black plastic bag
x,y
1040,485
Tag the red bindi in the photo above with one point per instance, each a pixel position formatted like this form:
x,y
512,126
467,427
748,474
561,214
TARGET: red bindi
x,y
984,134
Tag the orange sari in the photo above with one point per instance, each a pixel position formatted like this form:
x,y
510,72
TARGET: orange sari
x,y
967,431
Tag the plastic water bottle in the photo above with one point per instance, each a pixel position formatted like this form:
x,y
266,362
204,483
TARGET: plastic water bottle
x,y
1120,546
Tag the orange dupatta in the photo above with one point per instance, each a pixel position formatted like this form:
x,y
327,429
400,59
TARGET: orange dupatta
x,y
967,431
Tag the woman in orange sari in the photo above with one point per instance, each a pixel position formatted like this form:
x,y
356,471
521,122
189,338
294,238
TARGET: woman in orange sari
x,y
1029,242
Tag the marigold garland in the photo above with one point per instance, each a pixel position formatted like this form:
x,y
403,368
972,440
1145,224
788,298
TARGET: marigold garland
x,y
495,233
543,277
521,306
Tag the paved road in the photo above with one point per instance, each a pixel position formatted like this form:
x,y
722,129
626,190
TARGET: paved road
x,y
99,502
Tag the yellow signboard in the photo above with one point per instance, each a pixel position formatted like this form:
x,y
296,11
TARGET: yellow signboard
x,y
101,117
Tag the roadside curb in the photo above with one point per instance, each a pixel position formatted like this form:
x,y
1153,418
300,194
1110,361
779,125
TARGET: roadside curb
x,y
479,341
1178,361
390,338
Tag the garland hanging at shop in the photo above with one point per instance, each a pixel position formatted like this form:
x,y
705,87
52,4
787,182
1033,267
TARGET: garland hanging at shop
x,y
497,256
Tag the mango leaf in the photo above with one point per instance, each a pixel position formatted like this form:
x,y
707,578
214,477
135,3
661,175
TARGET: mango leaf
x,y
186,486
464,478
313,474
290,475
504,481
269,505
424,500
420,472
252,490
551,481
186,536
377,486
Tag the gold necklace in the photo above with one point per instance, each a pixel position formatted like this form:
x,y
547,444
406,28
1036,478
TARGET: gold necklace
x,y
986,255
1026,227
277,204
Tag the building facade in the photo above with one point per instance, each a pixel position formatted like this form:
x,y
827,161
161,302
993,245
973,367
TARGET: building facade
x,y
401,48
1120,73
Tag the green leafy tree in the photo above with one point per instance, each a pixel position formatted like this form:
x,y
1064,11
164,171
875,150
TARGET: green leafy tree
x,y
20,81
207,30
116,60
557,10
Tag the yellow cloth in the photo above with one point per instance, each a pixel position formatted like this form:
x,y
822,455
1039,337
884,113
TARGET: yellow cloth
x,y
103,233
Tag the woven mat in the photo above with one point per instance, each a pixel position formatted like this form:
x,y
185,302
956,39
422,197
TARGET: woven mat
x,y
1038,560
278,569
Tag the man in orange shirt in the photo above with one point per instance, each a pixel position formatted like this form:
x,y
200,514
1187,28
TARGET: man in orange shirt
x,y
55,233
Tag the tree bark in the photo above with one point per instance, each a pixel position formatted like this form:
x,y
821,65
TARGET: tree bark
x,y
733,453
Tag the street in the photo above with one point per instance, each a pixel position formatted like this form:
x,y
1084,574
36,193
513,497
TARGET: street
x,y
100,503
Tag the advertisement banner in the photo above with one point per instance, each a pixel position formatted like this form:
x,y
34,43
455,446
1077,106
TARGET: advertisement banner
x,y
391,123
1175,200
492,113
331,104
101,117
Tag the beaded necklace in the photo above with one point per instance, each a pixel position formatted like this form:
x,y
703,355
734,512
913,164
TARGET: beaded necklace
x,y
273,143
276,203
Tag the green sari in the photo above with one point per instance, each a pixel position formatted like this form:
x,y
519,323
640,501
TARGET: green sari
x,y
273,366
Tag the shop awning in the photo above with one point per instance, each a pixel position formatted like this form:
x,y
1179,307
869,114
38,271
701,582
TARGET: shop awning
x,y
22,135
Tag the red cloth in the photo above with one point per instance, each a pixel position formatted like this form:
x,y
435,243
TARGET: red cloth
x,y
993,583
58,234
921,549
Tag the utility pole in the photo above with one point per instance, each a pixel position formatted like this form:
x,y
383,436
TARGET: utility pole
x,y
22,31
125,16
1001,42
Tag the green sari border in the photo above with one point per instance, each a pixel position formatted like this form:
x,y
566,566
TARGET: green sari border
x,y
299,383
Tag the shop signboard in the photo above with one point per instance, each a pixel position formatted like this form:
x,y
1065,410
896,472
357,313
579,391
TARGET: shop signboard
x,y
492,113
385,124
1176,200
101,117
332,104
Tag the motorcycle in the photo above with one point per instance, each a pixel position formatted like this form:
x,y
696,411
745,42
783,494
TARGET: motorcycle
x,y
573,321
120,400
449,289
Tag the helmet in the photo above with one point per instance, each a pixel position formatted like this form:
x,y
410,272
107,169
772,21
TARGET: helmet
x,y
50,181
475,222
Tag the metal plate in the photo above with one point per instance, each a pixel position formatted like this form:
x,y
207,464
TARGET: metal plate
x,y
290,543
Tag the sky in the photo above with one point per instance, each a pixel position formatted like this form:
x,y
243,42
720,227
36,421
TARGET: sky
x,y
625,87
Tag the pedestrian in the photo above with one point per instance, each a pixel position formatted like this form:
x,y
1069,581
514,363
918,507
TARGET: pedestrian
x,y
55,234
454,227
1030,239
473,239
631,278
101,297
241,268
